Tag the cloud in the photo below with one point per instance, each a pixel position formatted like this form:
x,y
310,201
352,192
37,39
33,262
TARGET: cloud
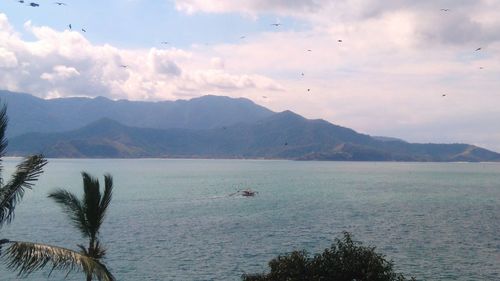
x,y
7,59
215,79
466,21
60,72
163,62
57,64
248,6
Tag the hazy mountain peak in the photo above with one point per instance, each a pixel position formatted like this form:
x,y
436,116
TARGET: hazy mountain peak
x,y
64,114
287,115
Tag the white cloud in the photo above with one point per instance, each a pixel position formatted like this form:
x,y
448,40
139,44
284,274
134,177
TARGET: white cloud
x,y
65,63
217,79
7,59
467,21
217,62
60,72
248,6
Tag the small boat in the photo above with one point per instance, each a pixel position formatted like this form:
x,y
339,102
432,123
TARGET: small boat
x,y
248,192
245,192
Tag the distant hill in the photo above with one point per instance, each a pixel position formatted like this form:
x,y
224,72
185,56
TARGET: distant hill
x,y
31,114
284,135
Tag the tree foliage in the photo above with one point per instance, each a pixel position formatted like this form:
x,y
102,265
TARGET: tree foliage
x,y
85,214
345,260
27,257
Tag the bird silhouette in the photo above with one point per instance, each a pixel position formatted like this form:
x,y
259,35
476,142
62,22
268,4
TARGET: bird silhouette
x,y
479,49
276,24
243,37
444,95
445,10
83,29
69,25
164,42
60,3
123,65
340,40
302,74
33,4
308,90
21,1
309,50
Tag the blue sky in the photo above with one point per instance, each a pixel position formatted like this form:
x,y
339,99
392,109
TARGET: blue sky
x,y
144,24
387,76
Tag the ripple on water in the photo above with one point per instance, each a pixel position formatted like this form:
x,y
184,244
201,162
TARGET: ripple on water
x,y
174,220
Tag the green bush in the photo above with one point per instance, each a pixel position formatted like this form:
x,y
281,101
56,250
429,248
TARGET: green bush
x,y
345,260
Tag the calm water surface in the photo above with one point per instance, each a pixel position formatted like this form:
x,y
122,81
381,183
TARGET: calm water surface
x,y
174,220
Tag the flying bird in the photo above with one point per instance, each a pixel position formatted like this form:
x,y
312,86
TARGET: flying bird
x,y
164,42
445,10
444,95
309,50
479,49
340,40
33,4
83,29
276,24
21,1
302,74
69,25
481,67
123,65
243,37
286,143
264,97
308,90
60,3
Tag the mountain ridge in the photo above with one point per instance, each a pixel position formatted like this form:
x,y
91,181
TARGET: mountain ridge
x,y
204,127
285,135
28,113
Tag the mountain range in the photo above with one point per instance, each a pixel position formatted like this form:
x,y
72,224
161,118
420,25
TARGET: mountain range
x,y
205,127
31,114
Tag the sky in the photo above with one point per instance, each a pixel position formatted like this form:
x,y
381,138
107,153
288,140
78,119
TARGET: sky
x,y
403,68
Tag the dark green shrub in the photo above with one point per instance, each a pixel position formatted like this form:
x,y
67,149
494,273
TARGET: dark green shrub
x,y
345,260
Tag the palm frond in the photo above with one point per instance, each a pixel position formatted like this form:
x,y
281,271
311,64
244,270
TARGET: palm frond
x,y
97,251
25,176
91,203
73,208
3,141
2,242
106,197
26,257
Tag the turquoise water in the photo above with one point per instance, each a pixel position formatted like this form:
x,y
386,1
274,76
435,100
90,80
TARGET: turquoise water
x,y
173,220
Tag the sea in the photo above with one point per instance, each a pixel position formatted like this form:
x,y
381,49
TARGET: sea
x,y
176,219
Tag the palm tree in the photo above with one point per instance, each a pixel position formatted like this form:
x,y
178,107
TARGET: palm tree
x,y
87,215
